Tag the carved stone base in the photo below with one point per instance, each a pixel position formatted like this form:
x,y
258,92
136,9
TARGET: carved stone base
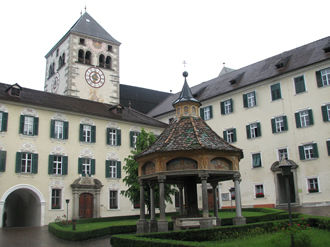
x,y
142,226
163,226
239,221
153,226
205,223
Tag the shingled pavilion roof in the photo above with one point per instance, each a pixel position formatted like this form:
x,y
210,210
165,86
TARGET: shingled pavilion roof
x,y
187,133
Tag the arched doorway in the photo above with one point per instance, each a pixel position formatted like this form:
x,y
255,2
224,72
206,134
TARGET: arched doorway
x,y
22,206
86,205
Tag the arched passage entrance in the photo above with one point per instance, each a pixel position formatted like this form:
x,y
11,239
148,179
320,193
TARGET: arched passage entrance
x,y
22,206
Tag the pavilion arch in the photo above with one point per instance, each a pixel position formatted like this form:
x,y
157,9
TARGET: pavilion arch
x,y
220,163
31,213
148,168
181,163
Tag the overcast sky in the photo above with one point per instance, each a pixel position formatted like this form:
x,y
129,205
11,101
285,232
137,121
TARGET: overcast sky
x,y
157,35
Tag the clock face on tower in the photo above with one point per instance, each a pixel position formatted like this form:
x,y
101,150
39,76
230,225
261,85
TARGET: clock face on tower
x,y
95,77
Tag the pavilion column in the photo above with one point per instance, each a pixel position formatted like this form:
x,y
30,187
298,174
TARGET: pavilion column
x,y
162,223
180,186
142,224
239,219
215,203
153,225
206,222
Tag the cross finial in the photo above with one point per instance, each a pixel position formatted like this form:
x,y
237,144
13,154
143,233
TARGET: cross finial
x,y
184,63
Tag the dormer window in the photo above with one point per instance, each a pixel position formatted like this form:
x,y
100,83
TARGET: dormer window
x,y
82,41
117,109
15,90
281,64
326,49
236,79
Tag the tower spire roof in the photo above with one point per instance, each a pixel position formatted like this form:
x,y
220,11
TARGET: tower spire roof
x,y
186,94
87,25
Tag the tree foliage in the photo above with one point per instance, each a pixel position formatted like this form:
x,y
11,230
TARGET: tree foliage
x,y
144,140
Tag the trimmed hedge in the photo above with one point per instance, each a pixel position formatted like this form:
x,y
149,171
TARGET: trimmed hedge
x,y
58,231
197,236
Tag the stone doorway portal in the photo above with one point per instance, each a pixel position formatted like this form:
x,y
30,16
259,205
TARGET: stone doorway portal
x,y
85,206
282,189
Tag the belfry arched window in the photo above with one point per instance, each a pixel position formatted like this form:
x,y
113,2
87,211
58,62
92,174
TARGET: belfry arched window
x,y
101,60
108,62
88,57
63,59
81,56
60,62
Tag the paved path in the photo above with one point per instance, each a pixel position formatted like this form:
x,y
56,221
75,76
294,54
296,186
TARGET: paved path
x,y
40,237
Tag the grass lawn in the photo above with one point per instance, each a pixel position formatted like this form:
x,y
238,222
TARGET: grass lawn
x,y
99,225
320,238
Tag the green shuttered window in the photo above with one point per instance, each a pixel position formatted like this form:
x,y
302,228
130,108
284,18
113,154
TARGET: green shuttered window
x,y
112,169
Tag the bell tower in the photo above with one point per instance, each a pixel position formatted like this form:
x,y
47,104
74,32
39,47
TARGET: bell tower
x,y
84,63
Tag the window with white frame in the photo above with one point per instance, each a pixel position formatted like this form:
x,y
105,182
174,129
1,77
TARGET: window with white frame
x,y
308,151
313,185
28,125
323,77
26,162
259,190
58,130
206,113
133,138
279,124
282,152
230,135
58,165
326,113
226,107
249,99
112,169
87,133
113,137
304,118
113,199
86,166
56,198
253,130
256,160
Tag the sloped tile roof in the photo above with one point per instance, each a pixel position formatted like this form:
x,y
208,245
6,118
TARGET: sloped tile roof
x,y
141,99
35,98
299,57
188,134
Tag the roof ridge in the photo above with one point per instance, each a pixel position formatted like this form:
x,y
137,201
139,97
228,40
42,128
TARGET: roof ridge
x,y
195,131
